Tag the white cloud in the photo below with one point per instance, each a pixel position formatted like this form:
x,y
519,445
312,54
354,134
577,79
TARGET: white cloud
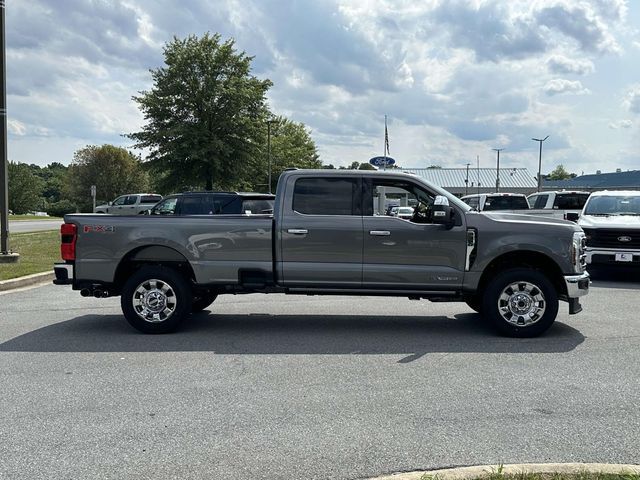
x,y
15,127
621,124
562,65
559,86
632,98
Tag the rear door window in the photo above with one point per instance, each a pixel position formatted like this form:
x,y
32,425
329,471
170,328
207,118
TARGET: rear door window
x,y
506,203
570,201
150,199
327,196
195,205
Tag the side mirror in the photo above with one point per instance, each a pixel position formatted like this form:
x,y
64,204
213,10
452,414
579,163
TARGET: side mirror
x,y
572,216
109,203
442,212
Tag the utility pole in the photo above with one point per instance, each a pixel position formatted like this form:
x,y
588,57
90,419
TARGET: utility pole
x,y
498,150
478,161
466,181
5,255
540,160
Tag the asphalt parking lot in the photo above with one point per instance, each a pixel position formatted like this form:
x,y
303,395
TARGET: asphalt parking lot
x,y
312,387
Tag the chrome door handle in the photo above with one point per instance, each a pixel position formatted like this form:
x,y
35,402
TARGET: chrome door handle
x,y
298,231
380,233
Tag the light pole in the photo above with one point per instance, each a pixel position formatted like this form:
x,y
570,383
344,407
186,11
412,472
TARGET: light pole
x,y
466,181
540,160
269,122
498,150
5,256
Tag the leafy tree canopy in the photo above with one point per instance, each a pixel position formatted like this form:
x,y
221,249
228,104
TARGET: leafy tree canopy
x,y
560,173
113,170
25,188
204,115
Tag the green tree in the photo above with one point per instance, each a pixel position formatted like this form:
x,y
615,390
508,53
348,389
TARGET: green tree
x,y
113,170
366,166
204,115
560,173
291,147
25,188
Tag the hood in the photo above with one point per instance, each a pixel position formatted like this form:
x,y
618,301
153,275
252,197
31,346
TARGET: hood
x,y
521,224
527,219
613,221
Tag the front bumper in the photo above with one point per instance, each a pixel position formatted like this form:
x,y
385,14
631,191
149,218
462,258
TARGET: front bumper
x,y
607,256
64,273
577,286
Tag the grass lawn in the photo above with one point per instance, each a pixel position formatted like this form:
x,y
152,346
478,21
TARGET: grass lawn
x,y
38,252
19,218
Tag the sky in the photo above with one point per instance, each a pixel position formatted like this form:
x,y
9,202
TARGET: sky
x,y
455,78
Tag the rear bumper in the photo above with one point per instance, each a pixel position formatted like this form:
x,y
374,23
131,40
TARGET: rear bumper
x,y
64,274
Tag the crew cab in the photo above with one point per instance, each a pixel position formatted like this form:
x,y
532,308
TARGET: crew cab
x,y
329,235
611,222
560,204
133,204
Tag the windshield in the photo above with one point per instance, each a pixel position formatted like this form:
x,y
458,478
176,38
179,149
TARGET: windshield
x,y
506,203
613,205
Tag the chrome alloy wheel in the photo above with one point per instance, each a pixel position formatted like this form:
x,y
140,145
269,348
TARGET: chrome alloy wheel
x,y
521,304
154,300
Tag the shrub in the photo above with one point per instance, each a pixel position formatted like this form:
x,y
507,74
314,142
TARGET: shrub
x,y
58,209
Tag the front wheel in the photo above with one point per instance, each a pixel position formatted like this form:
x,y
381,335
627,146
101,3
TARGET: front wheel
x,y
520,302
156,299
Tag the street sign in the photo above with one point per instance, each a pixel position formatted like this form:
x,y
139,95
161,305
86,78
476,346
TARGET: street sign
x,y
382,161
93,190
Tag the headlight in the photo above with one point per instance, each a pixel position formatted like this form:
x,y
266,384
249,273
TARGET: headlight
x,y
578,256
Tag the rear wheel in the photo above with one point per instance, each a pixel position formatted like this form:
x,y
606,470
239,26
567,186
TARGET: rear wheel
x,y
520,302
156,299
202,301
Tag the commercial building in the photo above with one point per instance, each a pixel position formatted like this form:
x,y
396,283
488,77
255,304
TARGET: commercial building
x,y
463,181
629,180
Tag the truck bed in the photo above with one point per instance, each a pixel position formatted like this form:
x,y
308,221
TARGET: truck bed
x,y
218,247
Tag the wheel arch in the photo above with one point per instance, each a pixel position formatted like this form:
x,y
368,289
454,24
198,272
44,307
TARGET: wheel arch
x,y
151,255
525,259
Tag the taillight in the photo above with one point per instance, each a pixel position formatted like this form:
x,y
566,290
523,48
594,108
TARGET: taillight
x,y
68,234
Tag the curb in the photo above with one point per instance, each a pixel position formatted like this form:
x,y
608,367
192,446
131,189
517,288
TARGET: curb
x,y
466,473
26,281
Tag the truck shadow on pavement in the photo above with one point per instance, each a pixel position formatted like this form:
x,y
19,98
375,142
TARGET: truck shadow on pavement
x,y
627,278
262,334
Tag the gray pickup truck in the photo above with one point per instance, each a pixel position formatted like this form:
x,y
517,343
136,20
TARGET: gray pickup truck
x,y
329,235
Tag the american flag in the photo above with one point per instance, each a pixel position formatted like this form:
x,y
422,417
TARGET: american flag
x,y
386,137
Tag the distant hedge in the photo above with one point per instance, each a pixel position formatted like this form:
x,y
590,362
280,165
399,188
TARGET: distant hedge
x,y
58,209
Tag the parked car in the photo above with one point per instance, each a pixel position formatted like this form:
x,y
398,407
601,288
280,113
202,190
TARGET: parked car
x,y
132,204
611,222
403,212
215,203
562,204
325,239
485,202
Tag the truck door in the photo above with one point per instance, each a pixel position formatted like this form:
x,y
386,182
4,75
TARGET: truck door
x,y
409,253
320,236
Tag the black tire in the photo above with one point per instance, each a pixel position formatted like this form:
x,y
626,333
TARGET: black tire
x,y
474,303
202,301
172,291
532,322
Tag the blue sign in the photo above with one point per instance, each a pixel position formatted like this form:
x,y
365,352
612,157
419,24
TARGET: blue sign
x,y
382,161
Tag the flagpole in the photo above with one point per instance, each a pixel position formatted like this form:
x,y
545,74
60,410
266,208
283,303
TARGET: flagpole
x,y
386,143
